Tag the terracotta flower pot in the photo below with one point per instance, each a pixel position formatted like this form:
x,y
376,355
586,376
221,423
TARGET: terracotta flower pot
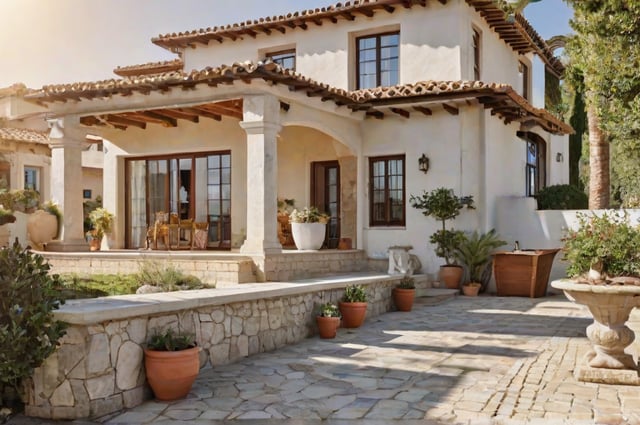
x,y
352,314
471,290
403,298
451,276
327,326
171,373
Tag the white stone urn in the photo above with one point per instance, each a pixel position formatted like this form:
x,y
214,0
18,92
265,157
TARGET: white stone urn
x,y
42,227
610,306
308,236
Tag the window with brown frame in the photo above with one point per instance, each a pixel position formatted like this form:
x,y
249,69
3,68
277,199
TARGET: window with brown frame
x,y
535,168
476,54
284,58
386,191
377,60
523,73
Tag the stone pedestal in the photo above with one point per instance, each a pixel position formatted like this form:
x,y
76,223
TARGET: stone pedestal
x,y
610,306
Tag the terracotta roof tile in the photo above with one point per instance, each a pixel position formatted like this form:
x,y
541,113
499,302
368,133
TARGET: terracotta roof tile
x,y
17,89
24,135
149,68
360,100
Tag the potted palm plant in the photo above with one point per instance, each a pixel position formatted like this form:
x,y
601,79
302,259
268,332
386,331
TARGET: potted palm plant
x,y
442,204
328,320
353,306
101,223
308,227
404,294
172,363
475,252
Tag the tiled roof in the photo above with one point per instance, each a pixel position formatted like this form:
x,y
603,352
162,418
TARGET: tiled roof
x,y
17,89
519,34
498,95
24,135
149,68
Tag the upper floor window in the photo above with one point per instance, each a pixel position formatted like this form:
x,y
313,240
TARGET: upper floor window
x,y
33,179
377,60
535,168
476,55
284,58
523,74
386,192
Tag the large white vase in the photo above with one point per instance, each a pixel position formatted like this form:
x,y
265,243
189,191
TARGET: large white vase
x,y
42,227
308,235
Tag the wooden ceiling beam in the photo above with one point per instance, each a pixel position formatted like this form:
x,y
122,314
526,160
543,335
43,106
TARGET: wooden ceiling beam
x,y
164,120
451,109
123,120
425,111
402,112
376,114
176,113
203,113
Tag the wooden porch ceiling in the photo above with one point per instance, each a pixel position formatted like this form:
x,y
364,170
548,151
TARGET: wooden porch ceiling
x,y
167,117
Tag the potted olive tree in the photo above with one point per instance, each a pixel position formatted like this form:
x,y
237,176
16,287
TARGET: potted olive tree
x,y
442,204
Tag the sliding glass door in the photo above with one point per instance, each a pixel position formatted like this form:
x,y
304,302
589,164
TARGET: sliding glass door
x,y
193,186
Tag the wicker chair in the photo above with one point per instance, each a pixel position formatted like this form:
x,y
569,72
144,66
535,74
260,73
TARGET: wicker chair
x,y
159,230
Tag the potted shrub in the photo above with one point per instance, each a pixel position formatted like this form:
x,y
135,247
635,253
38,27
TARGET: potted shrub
x,y
328,320
101,223
172,363
603,253
308,227
442,204
475,253
404,294
353,306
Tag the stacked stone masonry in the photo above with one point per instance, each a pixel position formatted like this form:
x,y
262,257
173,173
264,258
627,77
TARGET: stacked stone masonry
x,y
98,368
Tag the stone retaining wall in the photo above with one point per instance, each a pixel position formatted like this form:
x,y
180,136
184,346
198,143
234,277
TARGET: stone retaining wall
x,y
98,369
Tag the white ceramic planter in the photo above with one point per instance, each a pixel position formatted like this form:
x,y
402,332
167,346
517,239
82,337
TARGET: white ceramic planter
x,y
308,235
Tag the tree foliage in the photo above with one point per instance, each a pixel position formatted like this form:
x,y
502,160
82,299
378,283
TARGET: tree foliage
x,y
605,57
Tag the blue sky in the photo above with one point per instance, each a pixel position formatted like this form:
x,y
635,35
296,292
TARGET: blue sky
x,y
47,42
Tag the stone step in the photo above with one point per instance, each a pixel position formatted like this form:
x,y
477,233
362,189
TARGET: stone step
x,y
433,296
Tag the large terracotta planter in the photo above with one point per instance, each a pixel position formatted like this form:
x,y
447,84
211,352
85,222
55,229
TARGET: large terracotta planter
x,y
171,373
523,273
451,276
352,314
403,298
327,326
308,236
610,306
42,227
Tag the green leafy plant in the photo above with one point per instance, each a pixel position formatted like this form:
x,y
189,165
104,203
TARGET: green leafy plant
x,y
329,310
606,243
6,216
53,209
354,294
28,332
285,206
475,252
407,282
562,197
308,215
170,341
101,222
166,278
442,204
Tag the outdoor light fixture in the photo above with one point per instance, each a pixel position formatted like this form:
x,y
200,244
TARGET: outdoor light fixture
x,y
423,163
559,157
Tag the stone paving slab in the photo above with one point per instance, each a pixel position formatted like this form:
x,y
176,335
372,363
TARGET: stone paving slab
x,y
485,360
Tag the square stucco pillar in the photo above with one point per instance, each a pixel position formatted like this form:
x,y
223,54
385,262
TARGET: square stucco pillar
x,y
261,123
66,176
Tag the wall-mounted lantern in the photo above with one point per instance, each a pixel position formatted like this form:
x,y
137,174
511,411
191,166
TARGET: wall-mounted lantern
x,y
559,157
423,163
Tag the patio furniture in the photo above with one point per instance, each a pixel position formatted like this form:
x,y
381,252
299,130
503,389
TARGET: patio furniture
x,y
181,234
523,273
159,230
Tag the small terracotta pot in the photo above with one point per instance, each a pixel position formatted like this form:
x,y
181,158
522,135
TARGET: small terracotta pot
x,y
471,290
352,314
171,373
403,298
451,276
327,326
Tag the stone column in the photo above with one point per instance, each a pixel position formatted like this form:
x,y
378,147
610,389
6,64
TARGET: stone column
x,y
262,124
348,200
66,188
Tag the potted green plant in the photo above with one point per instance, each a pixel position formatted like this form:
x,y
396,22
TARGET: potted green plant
x,y
308,227
353,306
603,252
328,320
442,204
6,216
475,253
404,293
101,222
172,363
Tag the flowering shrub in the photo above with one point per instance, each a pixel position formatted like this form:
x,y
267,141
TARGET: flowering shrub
x,y
28,332
308,215
607,244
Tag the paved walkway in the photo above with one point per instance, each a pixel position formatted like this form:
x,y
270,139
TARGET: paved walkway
x,y
485,360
